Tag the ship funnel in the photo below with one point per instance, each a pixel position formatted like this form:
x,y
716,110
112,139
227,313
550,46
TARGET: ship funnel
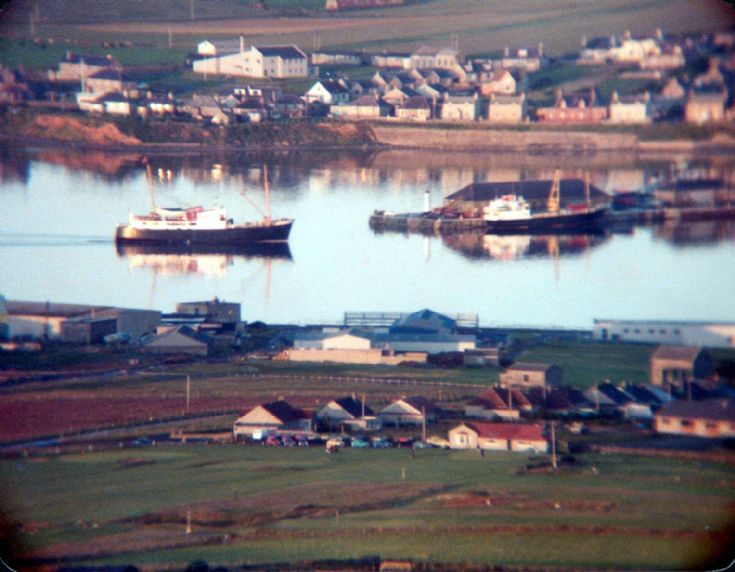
x,y
427,201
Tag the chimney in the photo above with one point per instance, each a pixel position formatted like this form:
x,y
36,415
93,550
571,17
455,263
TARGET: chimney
x,y
242,44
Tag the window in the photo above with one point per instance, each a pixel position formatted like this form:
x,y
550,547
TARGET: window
x,y
687,423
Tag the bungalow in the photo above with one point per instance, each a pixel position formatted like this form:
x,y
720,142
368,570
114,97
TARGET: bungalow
x,y
705,105
612,399
181,339
415,108
109,80
365,107
348,411
430,58
275,416
459,107
117,104
560,401
523,374
676,365
631,109
497,402
251,111
501,81
711,418
507,109
397,96
414,410
327,92
525,437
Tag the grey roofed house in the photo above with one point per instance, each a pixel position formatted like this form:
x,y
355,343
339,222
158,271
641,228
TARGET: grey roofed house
x,y
112,74
570,191
354,406
416,102
619,396
284,411
423,322
708,409
421,403
180,339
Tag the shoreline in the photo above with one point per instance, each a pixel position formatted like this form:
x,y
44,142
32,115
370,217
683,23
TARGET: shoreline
x,y
103,133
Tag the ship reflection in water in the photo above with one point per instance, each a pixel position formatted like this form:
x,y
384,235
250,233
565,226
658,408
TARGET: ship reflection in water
x,y
514,247
202,260
696,233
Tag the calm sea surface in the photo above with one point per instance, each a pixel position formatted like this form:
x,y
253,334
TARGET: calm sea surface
x,y
59,208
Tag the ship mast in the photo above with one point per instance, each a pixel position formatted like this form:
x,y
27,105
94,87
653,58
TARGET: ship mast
x,y
149,177
553,203
267,194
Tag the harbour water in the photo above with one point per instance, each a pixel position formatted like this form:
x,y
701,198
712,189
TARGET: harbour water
x,y
59,208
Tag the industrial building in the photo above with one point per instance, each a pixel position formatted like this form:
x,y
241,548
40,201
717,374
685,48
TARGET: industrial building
x,y
77,323
680,333
254,61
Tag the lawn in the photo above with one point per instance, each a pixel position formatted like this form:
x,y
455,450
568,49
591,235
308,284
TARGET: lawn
x,y
275,505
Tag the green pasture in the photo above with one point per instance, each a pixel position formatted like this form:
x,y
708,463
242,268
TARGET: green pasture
x,y
297,504
588,364
479,26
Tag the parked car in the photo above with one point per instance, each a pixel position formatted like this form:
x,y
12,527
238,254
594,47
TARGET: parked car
x,y
420,445
288,441
382,444
335,442
440,442
272,441
301,440
360,443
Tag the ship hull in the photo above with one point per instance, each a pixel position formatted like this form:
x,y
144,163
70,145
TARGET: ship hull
x,y
549,223
233,236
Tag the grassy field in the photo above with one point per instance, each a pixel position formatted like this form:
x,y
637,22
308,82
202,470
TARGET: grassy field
x,y
586,365
481,26
273,505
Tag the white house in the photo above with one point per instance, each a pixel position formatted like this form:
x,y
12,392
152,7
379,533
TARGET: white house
x,y
522,437
348,411
327,92
414,410
629,109
269,417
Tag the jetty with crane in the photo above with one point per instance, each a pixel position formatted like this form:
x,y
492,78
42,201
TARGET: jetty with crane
x,y
520,207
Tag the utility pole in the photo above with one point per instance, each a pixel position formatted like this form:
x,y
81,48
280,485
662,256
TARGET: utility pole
x,y
553,444
423,424
188,392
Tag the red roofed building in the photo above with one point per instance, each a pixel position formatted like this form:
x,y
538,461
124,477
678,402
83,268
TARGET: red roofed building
x,y
526,437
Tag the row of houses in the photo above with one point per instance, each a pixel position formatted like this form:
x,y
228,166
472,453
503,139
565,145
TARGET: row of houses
x,y
706,418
